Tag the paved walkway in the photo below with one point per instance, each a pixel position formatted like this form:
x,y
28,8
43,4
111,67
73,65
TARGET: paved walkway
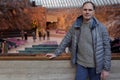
x,y
30,42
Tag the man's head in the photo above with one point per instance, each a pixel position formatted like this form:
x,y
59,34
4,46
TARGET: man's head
x,y
88,10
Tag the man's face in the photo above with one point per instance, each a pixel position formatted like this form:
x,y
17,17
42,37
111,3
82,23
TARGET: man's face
x,y
87,11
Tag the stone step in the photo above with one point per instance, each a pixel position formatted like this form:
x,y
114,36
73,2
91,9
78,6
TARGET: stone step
x,y
41,48
43,45
36,51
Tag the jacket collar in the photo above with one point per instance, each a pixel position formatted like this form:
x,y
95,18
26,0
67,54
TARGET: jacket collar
x,y
79,21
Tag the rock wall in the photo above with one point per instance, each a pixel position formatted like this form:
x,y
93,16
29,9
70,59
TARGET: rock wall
x,y
17,15
65,17
108,15
38,14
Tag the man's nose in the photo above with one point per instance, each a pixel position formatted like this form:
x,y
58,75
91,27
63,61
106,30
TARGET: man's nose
x,y
87,11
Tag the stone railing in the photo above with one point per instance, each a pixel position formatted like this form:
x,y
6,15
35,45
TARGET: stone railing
x,y
64,56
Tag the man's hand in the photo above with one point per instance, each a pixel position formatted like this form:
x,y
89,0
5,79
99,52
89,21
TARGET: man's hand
x,y
50,55
104,75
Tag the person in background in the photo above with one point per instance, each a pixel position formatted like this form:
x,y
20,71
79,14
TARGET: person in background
x,y
43,33
48,33
89,45
22,34
0,47
25,36
34,36
4,47
40,35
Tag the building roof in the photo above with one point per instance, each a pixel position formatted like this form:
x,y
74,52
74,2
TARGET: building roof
x,y
72,3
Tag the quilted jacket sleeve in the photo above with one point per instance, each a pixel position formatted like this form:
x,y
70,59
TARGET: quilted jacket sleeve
x,y
64,43
107,49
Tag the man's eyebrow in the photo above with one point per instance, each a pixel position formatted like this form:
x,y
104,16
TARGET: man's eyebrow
x,y
87,9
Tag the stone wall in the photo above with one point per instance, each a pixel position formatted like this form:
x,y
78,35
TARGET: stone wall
x,y
38,14
65,17
18,15
45,70
108,15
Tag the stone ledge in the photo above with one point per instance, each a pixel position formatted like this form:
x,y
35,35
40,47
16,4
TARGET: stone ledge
x,y
16,56
64,56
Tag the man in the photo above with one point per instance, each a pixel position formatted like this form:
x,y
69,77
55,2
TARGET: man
x,y
89,44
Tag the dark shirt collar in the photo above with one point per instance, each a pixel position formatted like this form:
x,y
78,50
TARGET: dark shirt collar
x,y
79,22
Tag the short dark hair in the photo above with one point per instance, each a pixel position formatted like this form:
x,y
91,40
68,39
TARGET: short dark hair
x,y
94,7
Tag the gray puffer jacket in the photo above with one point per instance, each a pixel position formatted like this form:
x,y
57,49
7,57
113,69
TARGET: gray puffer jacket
x,y
101,44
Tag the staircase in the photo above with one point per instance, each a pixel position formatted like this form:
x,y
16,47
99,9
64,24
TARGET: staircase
x,y
38,49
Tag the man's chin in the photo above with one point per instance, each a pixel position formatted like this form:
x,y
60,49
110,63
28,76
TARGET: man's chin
x,y
87,18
